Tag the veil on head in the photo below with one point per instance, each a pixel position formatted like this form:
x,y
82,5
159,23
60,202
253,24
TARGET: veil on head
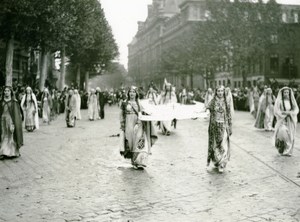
x,y
279,99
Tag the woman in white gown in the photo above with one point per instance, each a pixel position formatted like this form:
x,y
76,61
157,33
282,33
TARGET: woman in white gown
x,y
286,110
30,110
168,97
93,106
78,104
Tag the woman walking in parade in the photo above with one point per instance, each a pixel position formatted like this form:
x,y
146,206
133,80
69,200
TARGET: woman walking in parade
x,y
265,115
286,110
30,110
168,97
138,136
46,106
78,104
11,133
208,96
93,106
219,130
70,109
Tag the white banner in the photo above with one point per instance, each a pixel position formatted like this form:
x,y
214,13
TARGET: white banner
x,y
172,111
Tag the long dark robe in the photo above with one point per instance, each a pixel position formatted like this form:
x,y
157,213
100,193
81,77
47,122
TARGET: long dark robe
x,y
14,110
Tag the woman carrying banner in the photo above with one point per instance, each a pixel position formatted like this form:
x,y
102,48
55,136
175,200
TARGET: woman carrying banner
x,y
138,136
219,130
168,97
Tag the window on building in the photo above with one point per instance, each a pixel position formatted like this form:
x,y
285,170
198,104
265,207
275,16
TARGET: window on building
x,y
220,82
296,17
246,15
224,83
207,14
235,85
228,82
284,17
259,16
289,69
274,64
274,39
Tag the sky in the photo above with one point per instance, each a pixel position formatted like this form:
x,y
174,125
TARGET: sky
x,y
123,15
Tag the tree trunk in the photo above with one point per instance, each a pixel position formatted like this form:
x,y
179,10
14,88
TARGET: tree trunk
x,y
62,69
192,81
78,76
87,76
9,61
43,70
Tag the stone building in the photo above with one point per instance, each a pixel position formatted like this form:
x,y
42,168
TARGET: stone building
x,y
167,20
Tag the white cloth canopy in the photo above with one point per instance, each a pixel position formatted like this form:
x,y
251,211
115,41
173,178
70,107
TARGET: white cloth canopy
x,y
172,111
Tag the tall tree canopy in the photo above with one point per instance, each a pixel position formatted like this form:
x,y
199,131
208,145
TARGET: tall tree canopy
x,y
77,28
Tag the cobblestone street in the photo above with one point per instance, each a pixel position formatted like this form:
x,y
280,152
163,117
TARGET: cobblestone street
x,y
77,174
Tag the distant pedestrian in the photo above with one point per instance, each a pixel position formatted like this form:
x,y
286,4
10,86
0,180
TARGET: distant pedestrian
x,y
208,96
286,110
219,130
101,101
46,106
265,115
11,133
78,104
93,111
138,136
168,97
30,109
70,109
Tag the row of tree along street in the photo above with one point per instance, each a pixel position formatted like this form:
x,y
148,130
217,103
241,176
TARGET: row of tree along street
x,y
76,29
235,36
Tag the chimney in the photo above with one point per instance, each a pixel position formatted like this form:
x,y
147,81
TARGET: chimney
x,y
140,25
150,10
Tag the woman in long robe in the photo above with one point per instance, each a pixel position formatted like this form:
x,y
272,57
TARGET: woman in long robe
x,y
219,130
11,133
139,136
286,110
269,112
93,106
78,104
70,109
46,106
255,98
30,109
208,96
152,96
265,115
260,116
168,97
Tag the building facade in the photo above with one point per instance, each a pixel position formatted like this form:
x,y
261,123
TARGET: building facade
x,y
168,20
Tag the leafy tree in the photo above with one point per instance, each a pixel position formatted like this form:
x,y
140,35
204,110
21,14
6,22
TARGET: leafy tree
x,y
247,27
92,47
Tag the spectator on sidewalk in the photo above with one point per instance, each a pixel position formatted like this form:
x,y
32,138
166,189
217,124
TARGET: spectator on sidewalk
x,y
11,133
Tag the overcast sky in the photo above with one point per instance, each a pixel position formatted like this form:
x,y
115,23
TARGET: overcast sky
x,y
123,16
